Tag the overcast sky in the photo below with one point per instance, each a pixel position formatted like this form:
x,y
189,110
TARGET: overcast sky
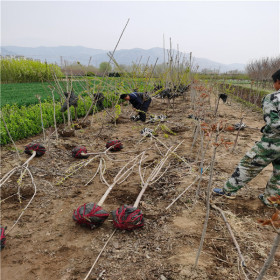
x,y
223,31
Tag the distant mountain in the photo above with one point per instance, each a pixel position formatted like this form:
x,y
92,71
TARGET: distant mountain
x,y
7,52
96,56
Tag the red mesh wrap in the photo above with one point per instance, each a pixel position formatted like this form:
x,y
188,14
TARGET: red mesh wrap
x,y
127,217
3,237
90,214
115,144
38,148
76,152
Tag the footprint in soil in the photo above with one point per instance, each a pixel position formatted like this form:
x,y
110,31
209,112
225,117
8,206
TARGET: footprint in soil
x,y
248,206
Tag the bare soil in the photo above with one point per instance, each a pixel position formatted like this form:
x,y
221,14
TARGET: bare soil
x,y
47,244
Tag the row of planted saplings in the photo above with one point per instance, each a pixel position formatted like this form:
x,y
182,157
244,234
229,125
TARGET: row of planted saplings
x,y
125,217
92,214
32,149
89,214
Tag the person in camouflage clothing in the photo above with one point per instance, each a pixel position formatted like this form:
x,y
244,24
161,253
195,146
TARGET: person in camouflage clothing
x,y
264,152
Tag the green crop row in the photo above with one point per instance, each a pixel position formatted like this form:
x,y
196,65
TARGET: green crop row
x,y
25,121
249,97
24,94
246,103
22,71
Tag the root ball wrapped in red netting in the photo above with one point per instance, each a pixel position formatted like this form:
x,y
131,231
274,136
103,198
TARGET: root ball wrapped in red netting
x,y
128,217
90,214
115,144
2,237
38,148
80,152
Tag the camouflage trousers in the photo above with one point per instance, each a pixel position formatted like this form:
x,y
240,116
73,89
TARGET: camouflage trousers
x,y
262,154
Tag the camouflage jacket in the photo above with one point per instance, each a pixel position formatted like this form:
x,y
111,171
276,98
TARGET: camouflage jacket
x,y
271,115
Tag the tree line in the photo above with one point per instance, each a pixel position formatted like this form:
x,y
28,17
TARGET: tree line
x,y
260,70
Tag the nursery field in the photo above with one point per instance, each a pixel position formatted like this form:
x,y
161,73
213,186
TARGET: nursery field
x,y
247,84
21,109
24,94
46,243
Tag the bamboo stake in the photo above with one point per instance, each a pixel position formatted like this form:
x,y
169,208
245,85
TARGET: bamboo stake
x,y
54,117
152,72
41,112
201,167
217,106
242,260
187,188
207,201
68,109
196,179
270,257
235,141
99,255
109,62
197,129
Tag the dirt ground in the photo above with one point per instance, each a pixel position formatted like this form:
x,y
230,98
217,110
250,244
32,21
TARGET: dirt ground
x,y
47,244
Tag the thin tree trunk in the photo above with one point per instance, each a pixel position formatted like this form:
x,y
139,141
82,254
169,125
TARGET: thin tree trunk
x,y
270,257
207,203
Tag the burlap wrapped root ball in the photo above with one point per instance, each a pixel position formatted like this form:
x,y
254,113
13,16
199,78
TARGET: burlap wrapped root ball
x,y
128,218
80,152
90,215
38,148
115,145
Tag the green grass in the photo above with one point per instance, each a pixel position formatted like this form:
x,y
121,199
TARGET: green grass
x,y
248,85
24,94
202,76
25,121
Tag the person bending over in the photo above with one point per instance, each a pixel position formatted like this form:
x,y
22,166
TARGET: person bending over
x,y
140,101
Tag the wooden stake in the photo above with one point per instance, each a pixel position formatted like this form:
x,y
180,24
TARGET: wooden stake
x,y
207,201
96,260
270,257
231,234
42,121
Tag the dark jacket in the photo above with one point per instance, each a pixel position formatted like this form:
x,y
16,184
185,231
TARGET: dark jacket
x,y
137,99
